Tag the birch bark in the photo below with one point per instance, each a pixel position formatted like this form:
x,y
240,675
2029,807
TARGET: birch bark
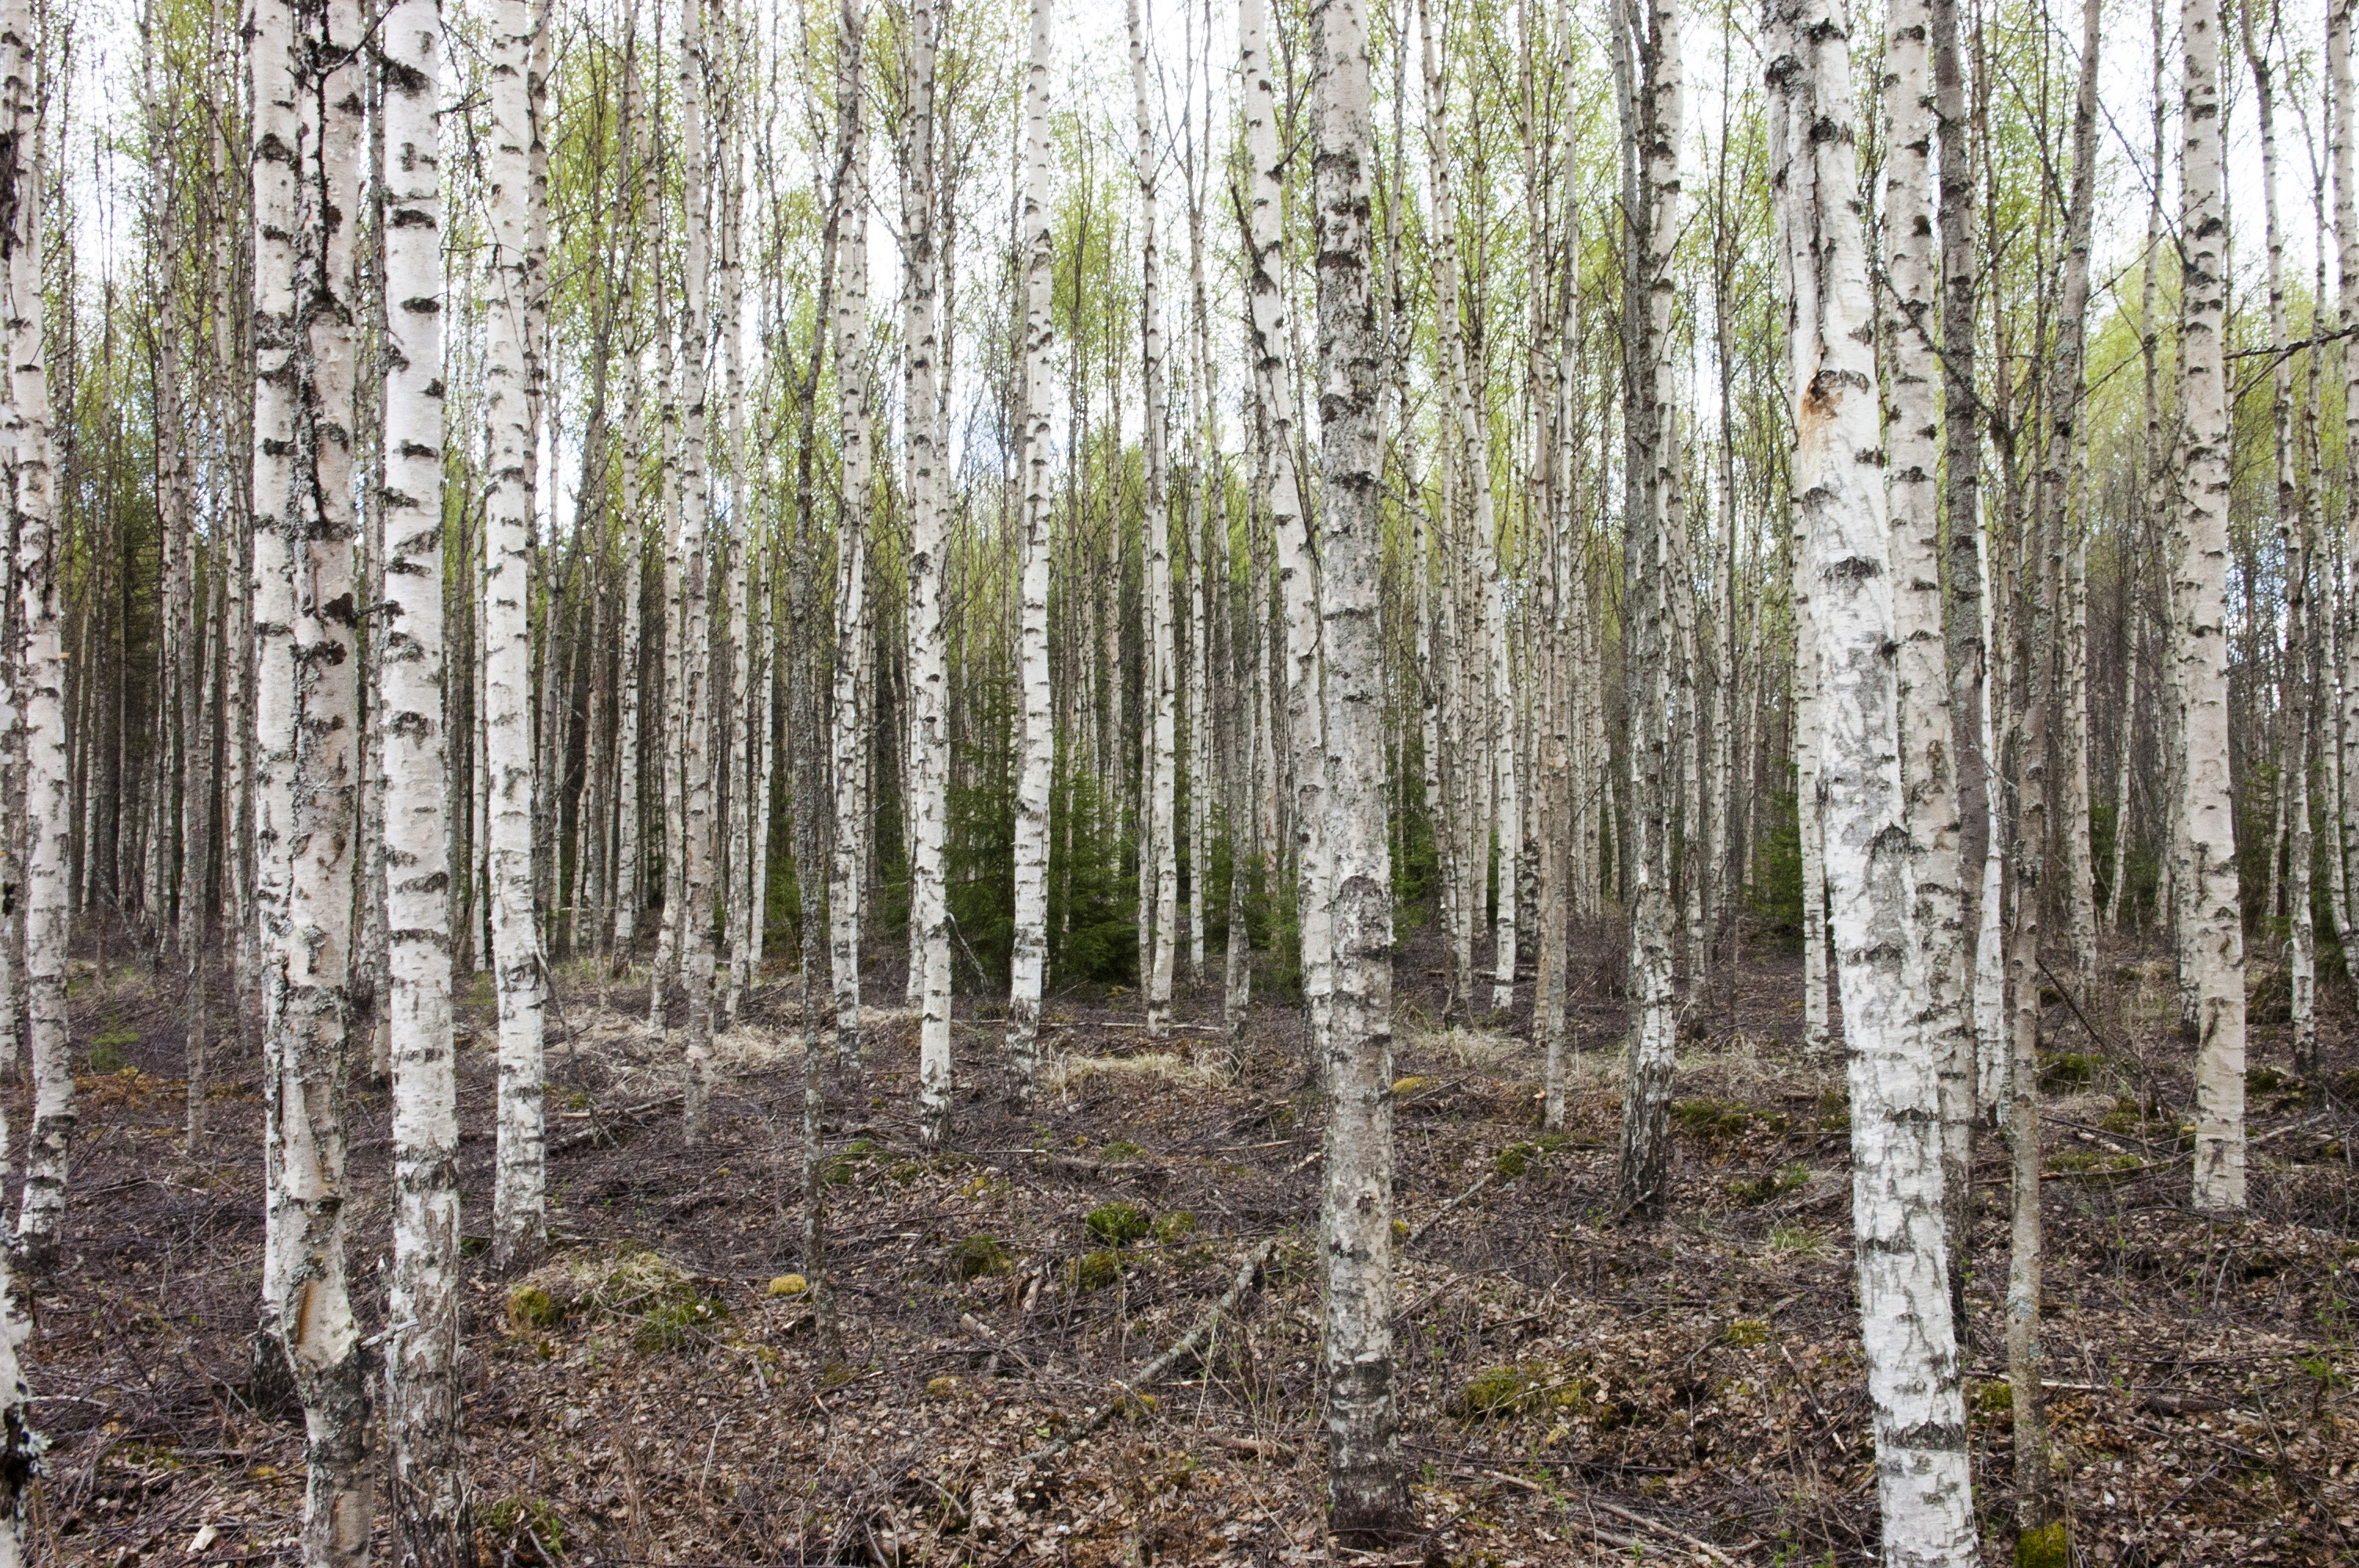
x,y
852,529
310,687
430,1511
928,538
2216,945
694,694
1364,1488
36,669
1912,462
1901,1269
518,1194
40,662
1289,525
1162,666
1036,720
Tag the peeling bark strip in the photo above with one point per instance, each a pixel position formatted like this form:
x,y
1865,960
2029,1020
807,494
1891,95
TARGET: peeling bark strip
x,y
1924,1484
1364,1489
518,1197
433,1521
2215,943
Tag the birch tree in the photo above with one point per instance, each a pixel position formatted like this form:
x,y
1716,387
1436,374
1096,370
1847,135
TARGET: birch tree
x,y
1650,647
929,541
1912,462
1267,335
431,1513
36,669
39,668
1365,1491
1036,717
2216,943
1901,1269
307,89
518,1194
1161,729
851,527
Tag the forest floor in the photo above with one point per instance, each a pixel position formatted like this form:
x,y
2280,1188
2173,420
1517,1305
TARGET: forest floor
x,y
1575,1389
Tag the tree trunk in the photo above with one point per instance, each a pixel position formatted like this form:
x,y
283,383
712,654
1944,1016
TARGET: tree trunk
x,y
1901,1270
1656,522
1366,1492
929,541
431,1509
38,675
518,1194
1036,739
1922,672
1289,527
852,532
1161,838
2216,943
310,670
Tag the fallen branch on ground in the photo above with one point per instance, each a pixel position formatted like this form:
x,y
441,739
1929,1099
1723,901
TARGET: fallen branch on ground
x,y
1248,1273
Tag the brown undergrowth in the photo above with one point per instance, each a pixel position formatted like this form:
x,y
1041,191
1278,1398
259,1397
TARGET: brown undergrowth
x,y
1574,1389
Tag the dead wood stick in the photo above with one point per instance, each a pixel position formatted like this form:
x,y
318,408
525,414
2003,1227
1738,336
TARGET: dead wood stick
x,y
1248,1272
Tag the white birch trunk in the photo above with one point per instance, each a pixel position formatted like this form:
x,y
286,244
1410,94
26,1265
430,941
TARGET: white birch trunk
x,y
693,698
431,1513
929,539
1913,460
36,668
308,718
518,1185
1289,527
2340,24
1365,1493
1162,837
852,532
1036,717
2216,943
1901,1272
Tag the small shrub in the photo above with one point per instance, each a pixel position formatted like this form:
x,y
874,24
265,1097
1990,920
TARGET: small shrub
x,y
2264,1080
977,1257
104,1058
1514,1161
1116,1224
1094,1270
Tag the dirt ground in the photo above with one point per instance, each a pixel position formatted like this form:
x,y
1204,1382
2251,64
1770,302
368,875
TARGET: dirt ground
x,y
1575,1389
